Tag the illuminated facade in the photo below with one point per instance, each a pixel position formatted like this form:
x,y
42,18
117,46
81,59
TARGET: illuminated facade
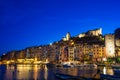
x,y
78,56
96,51
63,56
80,52
71,54
110,45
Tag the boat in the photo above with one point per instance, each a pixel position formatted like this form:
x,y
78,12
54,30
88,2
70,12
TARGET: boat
x,y
58,65
90,65
109,77
68,65
86,65
115,66
79,65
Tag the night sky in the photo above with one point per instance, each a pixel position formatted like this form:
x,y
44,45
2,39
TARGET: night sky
x,y
25,23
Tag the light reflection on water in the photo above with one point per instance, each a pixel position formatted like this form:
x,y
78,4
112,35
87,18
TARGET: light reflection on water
x,y
46,73
108,71
35,75
104,70
35,72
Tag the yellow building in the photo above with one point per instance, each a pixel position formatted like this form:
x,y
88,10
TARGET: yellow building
x,y
96,51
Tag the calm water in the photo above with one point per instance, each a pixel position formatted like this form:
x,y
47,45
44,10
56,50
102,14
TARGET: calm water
x,y
38,72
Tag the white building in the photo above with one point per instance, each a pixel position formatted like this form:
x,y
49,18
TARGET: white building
x,y
110,45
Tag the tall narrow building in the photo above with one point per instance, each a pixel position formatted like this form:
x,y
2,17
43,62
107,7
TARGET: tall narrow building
x,y
68,36
110,45
71,54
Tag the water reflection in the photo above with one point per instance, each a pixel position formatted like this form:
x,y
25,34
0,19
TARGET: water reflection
x,y
21,71
108,70
42,72
46,73
104,70
79,71
35,75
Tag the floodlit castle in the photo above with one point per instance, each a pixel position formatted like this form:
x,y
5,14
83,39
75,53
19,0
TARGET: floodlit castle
x,y
95,32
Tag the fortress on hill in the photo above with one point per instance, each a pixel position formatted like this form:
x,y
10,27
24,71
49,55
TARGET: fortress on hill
x,y
95,32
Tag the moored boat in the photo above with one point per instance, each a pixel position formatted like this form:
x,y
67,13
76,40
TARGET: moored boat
x,y
116,66
67,65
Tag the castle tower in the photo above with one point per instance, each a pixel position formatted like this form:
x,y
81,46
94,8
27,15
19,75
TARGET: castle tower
x,y
110,45
68,36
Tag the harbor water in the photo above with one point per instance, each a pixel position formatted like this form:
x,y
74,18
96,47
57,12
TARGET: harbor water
x,y
42,72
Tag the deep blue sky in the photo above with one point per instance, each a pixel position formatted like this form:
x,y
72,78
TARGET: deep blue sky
x,y
25,23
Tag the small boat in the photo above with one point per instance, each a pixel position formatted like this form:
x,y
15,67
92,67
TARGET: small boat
x,y
67,65
116,66
58,65
90,65
87,65
109,77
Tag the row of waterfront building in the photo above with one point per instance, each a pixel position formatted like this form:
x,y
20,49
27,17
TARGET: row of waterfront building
x,y
70,49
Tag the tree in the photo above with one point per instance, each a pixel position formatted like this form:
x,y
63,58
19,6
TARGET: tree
x,y
117,33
